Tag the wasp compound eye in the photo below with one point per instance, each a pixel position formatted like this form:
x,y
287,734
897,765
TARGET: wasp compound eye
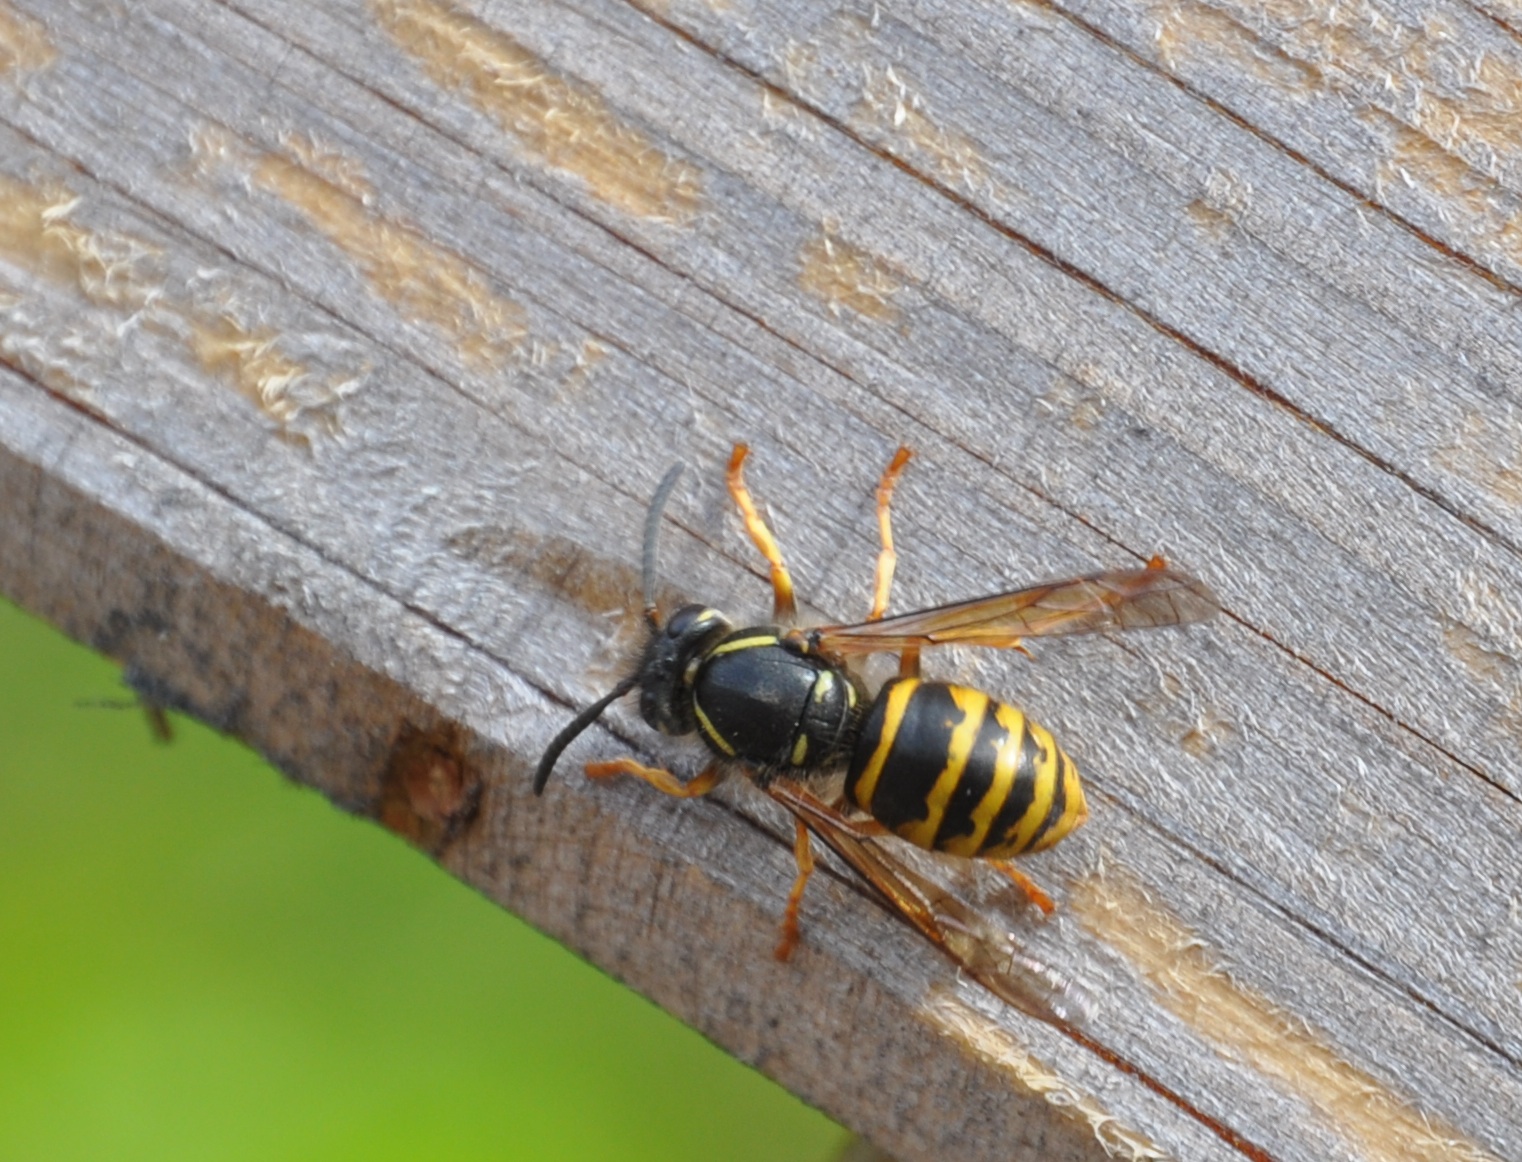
x,y
682,620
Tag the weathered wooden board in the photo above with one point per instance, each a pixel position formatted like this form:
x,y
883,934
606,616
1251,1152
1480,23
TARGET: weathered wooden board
x,y
343,344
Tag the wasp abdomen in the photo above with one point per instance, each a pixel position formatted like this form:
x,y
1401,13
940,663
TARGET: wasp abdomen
x,y
951,769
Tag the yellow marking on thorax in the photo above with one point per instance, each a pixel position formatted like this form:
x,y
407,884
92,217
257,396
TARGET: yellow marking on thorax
x,y
893,717
710,733
1006,762
745,643
974,705
824,683
822,686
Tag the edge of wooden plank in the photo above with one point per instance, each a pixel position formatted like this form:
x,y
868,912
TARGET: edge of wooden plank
x,y
113,550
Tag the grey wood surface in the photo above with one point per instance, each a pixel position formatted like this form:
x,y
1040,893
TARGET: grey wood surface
x,y
342,344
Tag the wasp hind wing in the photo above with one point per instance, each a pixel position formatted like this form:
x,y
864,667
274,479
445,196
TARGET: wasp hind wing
x,y
981,947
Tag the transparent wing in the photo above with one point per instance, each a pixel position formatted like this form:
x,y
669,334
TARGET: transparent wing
x,y
1120,600
980,946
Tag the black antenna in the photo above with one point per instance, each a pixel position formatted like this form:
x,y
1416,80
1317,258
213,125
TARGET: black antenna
x,y
652,534
590,715
575,727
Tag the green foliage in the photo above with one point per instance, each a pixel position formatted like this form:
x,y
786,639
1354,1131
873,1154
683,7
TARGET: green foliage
x,y
200,960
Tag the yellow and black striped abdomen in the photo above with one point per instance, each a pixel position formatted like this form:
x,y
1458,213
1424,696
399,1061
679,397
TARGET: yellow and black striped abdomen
x,y
950,769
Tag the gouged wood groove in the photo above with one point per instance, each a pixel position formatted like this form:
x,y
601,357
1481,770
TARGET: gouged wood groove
x,y
421,777
1236,42
1076,272
1382,1125
1489,1043
1387,462
847,278
565,124
394,351
24,45
990,1041
1226,30
418,278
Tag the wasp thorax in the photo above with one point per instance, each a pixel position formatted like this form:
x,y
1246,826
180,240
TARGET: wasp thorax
x,y
665,672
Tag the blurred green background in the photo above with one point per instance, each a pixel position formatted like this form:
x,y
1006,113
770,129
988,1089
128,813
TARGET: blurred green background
x,y
200,960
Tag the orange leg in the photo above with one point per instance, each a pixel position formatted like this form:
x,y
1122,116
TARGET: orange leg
x,y
663,781
783,606
887,559
909,663
805,858
1032,890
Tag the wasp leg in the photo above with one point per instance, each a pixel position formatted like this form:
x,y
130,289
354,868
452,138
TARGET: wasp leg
x,y
783,606
887,559
1032,890
909,664
862,828
663,781
805,857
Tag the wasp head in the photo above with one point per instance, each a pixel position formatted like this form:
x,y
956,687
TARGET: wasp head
x,y
670,664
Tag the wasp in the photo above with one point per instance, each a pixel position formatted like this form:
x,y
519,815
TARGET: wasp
x,y
946,767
